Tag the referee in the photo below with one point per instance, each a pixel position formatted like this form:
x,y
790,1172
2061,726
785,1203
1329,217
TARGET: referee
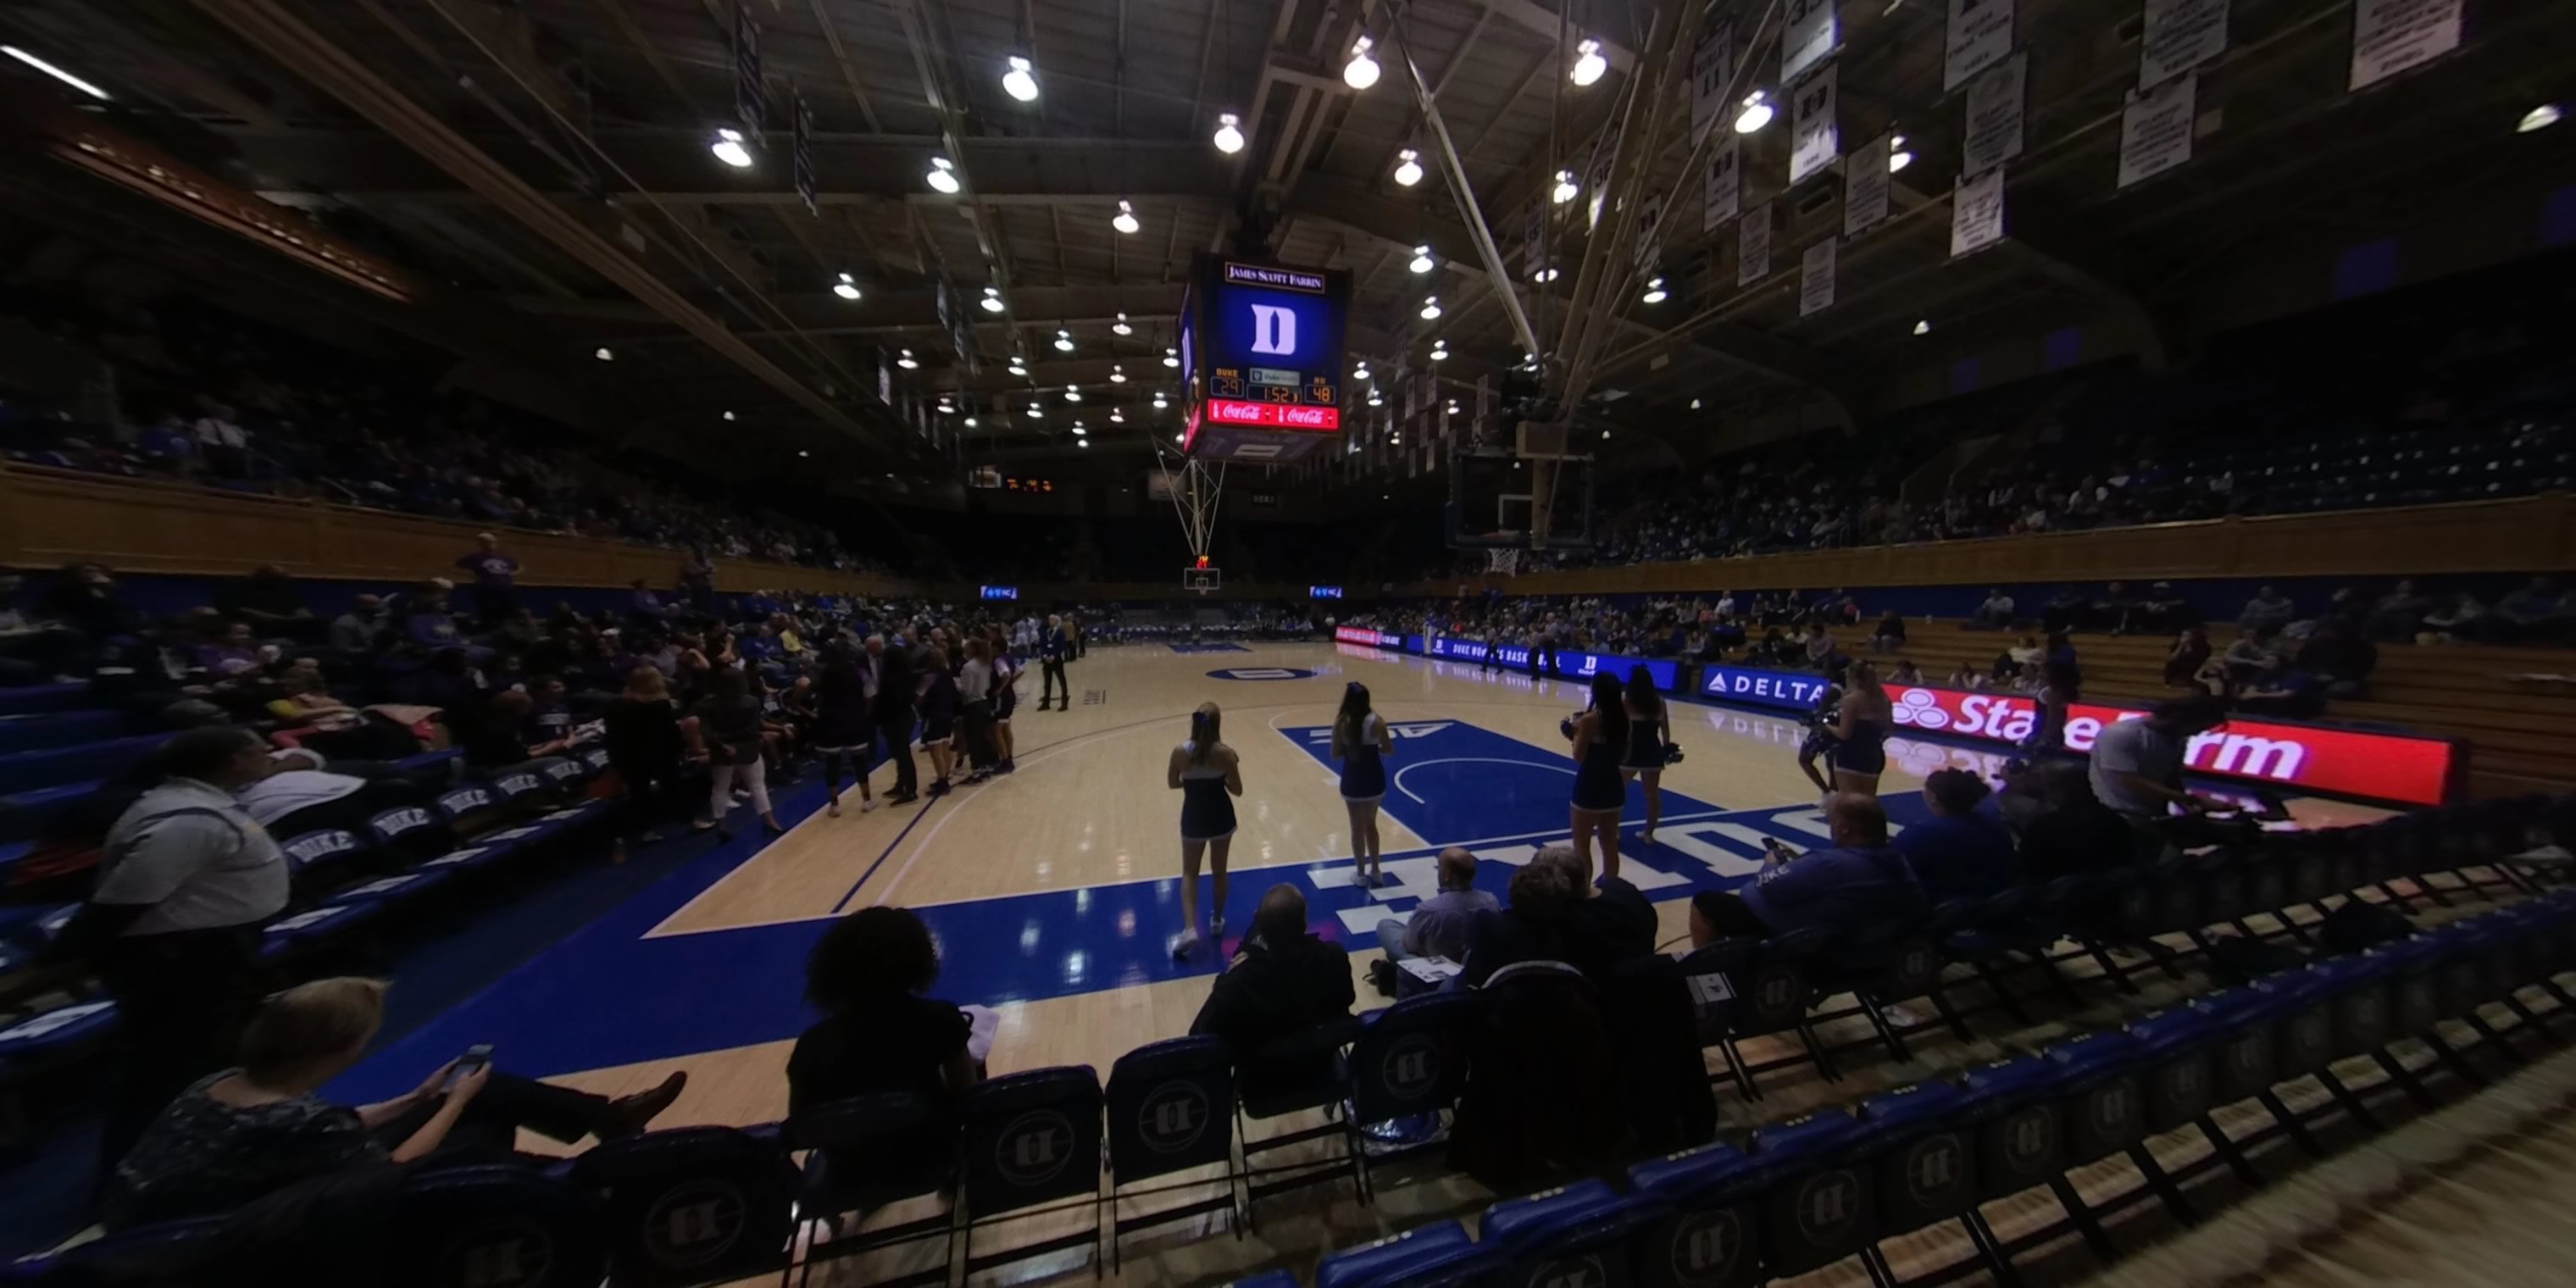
x,y
185,881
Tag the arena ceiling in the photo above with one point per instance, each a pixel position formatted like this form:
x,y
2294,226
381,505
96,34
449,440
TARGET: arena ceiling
x,y
549,159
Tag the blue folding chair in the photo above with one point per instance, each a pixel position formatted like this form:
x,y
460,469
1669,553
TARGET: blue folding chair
x,y
1301,1072
1438,1255
1577,1234
1821,1208
1923,1168
329,848
1409,1061
1170,1110
1711,1235
2013,1109
868,1153
1030,1140
692,1205
473,1227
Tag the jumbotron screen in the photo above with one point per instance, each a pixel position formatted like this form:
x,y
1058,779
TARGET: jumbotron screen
x,y
1262,352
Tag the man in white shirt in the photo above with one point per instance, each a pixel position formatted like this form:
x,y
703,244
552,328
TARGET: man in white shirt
x,y
299,795
2137,764
1996,611
224,444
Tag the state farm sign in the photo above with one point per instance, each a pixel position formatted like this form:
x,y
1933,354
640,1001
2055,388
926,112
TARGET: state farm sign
x,y
2382,766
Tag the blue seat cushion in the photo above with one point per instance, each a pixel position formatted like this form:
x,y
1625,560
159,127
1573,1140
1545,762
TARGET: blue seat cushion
x,y
313,925
1696,1176
1395,1259
1529,1222
2009,1082
56,1030
44,697
1813,1136
56,728
1910,1108
400,886
24,814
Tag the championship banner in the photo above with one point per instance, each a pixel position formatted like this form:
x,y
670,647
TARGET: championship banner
x,y
1534,237
1995,106
1807,38
2389,36
1814,138
2179,35
1712,68
1977,213
1650,229
1605,150
750,104
2155,130
1816,278
1722,193
1980,35
1865,185
801,151
1753,246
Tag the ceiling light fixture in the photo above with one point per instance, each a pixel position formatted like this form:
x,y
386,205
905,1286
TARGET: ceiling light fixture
x,y
1566,188
604,354
1125,220
1374,400
1756,113
1171,357
1897,157
1117,374
1078,430
1421,259
1923,326
1361,71
1408,167
943,174
1036,412
801,453
1229,134
1654,291
1439,350
1063,340
1120,327
1117,417
993,299
847,288
1159,404
1072,393
1018,82
1588,62
1361,371
1544,275
1177,438
729,149
970,422
2538,118
905,360
728,415
1430,307
1694,404
1018,367
94,91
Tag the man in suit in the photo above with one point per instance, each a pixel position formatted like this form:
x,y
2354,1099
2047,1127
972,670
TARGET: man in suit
x,y
889,675
1055,644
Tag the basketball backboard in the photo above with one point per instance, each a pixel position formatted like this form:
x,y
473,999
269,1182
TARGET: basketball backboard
x,y
1201,580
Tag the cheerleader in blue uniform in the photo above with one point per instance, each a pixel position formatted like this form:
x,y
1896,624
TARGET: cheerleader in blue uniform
x,y
1362,743
1650,731
1600,739
1207,775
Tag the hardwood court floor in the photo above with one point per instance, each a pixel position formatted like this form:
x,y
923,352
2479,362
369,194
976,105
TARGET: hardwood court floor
x,y
1053,893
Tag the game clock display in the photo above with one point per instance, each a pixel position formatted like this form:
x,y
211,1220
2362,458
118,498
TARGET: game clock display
x,y
1262,351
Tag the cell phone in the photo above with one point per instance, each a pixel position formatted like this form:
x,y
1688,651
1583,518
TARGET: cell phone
x,y
476,1057
1778,853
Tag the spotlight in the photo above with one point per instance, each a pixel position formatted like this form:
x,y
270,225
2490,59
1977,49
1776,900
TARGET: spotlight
x,y
1430,307
1072,394
1566,188
992,299
1360,372
1159,404
1408,167
1171,357
1125,220
1588,62
1439,350
1116,417
1361,71
1018,367
1374,400
905,360
1897,157
604,354
1654,291
1078,430
1923,326
1421,259
1036,412
970,422
728,415
943,174
1229,136
729,149
1018,83
847,288
1082,442
1177,438
94,91
2538,118
1756,113
1063,340
801,453
1694,404
1120,327
1117,374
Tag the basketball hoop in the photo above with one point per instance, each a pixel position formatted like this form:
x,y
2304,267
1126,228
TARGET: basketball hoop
x,y
1196,490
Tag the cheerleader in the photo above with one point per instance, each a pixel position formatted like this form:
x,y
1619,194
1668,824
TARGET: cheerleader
x,y
1599,739
1006,695
1207,775
843,733
1860,728
1650,731
1362,743
938,701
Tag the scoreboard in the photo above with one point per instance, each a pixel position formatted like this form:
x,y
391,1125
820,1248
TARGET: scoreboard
x,y
1262,354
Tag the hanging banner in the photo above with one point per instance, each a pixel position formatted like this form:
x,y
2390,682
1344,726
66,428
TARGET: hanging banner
x,y
1722,192
750,106
1995,104
1534,237
1816,278
1650,229
801,151
1977,213
1807,38
1980,35
2178,36
1814,140
1865,185
2389,36
1596,186
2155,130
1753,246
1712,68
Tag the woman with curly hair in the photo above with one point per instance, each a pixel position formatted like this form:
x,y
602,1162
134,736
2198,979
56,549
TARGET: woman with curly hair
x,y
878,1033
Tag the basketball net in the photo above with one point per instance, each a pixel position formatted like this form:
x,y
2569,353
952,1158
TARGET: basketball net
x,y
1507,562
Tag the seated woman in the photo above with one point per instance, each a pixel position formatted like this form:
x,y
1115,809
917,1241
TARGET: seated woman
x,y
236,1135
306,710
878,1033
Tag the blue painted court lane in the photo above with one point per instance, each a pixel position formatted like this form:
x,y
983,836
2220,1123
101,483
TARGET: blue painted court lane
x,y
608,995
